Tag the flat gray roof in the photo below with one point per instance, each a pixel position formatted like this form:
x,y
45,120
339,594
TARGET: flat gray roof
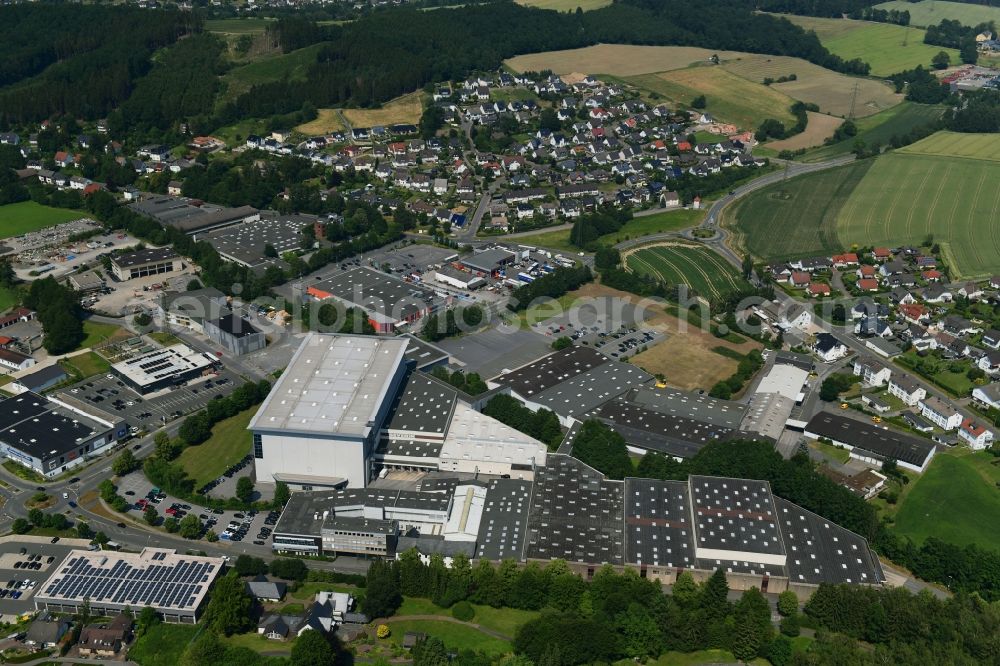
x,y
151,255
882,442
588,390
423,406
666,433
422,353
505,520
552,369
377,293
334,384
245,242
694,406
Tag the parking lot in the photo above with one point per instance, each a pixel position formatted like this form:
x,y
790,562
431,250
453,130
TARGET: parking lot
x,y
612,328
111,394
26,562
246,526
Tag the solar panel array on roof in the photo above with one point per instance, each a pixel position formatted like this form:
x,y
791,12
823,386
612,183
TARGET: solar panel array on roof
x,y
175,585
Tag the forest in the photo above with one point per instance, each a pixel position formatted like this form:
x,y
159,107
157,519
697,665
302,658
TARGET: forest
x,y
81,60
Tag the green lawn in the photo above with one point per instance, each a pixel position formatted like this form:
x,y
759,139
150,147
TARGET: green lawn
x,y
707,273
163,644
658,223
553,240
956,500
96,333
85,365
887,48
8,298
164,338
22,217
291,66
503,620
837,453
904,197
931,12
307,591
702,657
797,217
229,442
258,643
879,129
454,636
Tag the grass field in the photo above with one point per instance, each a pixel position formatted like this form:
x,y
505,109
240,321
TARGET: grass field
x,y
931,12
24,216
880,128
327,120
292,66
229,442
830,90
700,268
237,26
730,97
904,197
565,5
956,500
797,217
455,636
954,144
617,59
85,365
405,109
503,620
658,223
819,129
163,644
887,48
8,298
95,333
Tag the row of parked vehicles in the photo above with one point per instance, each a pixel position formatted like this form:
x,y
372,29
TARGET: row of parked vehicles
x,y
228,474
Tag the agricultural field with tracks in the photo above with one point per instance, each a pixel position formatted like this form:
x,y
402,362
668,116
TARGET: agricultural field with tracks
x,y
955,144
887,48
700,268
831,91
904,197
794,218
932,12
617,59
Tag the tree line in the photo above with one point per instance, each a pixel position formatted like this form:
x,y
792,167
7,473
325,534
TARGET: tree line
x,y
79,60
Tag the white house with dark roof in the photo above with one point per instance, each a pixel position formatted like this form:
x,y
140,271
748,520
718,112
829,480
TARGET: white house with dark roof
x,y
906,389
940,413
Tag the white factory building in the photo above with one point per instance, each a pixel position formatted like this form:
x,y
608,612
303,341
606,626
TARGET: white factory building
x,y
319,425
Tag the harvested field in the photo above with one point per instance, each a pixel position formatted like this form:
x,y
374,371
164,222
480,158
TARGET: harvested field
x,y
829,90
880,128
617,59
701,269
327,120
820,128
825,28
730,98
405,109
685,358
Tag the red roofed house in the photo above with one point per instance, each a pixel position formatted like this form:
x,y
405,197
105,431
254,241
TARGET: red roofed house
x,y
913,312
881,254
91,188
866,271
683,146
817,289
63,159
976,435
800,279
932,275
844,260
868,284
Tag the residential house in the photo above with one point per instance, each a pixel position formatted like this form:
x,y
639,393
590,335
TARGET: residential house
x,y
106,640
991,338
970,291
867,284
262,589
989,362
913,312
800,279
845,260
976,435
875,403
917,422
881,254
935,293
940,413
987,396
829,348
818,290
871,372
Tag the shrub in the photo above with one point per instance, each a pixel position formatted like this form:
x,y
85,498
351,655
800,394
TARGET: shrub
x,y
383,631
463,611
